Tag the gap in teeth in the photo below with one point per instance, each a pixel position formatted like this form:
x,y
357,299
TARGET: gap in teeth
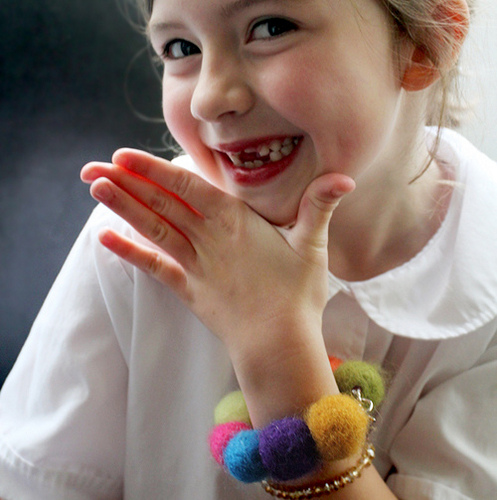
x,y
266,153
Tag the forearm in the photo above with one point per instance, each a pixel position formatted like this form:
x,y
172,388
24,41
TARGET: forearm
x,y
287,374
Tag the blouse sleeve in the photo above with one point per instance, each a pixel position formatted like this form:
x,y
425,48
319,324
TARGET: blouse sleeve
x,y
63,407
448,449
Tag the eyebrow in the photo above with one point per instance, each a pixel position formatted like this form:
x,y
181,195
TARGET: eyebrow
x,y
158,27
227,11
238,5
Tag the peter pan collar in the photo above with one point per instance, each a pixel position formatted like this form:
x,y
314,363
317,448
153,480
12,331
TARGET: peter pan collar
x,y
450,287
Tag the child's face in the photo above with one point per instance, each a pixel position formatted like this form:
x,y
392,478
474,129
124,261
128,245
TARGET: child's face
x,y
319,76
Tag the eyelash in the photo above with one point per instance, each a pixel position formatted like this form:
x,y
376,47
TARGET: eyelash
x,y
284,25
166,53
275,22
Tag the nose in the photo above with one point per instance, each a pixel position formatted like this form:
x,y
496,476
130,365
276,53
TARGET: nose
x,y
221,89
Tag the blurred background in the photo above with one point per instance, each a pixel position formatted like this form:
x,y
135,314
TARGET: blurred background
x,y
74,76
75,80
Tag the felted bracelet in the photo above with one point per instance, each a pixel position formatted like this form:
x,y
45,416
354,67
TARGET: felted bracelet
x,y
325,487
333,428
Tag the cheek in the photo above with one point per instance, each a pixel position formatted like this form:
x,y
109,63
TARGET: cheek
x,y
321,107
345,114
176,111
308,90
288,95
183,127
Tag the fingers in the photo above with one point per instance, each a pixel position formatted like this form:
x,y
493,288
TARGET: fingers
x,y
161,202
151,225
320,199
189,187
154,263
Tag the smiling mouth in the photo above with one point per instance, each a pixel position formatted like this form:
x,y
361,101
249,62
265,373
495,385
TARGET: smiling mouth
x,y
263,155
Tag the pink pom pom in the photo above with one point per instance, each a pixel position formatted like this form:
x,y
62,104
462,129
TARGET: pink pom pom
x,y
221,435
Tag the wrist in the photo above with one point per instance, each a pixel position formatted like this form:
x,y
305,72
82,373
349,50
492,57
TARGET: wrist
x,y
329,481
282,371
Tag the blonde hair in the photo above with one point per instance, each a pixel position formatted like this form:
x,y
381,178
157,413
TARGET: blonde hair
x,y
438,28
433,28
145,9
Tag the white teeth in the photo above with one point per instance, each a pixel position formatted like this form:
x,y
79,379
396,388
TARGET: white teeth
x,y
286,150
265,153
264,150
235,158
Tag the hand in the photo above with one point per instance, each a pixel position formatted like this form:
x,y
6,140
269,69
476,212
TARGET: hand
x,y
231,267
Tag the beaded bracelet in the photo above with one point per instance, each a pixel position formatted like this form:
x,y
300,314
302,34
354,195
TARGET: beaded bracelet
x,y
325,487
333,428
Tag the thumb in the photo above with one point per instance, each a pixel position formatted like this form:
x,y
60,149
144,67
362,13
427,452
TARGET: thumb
x,y
316,208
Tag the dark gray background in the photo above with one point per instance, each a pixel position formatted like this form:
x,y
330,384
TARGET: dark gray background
x,y
63,102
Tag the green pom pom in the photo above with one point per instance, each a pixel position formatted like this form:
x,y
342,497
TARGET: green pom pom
x,y
365,375
232,408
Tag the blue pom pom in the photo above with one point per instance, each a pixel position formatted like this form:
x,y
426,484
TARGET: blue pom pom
x,y
287,449
242,459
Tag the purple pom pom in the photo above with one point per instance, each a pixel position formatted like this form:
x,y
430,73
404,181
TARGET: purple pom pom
x,y
287,449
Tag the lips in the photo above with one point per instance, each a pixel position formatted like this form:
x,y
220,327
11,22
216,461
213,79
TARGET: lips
x,y
258,161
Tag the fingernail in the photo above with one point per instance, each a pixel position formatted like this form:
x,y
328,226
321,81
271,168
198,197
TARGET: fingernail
x,y
87,176
338,192
119,158
101,192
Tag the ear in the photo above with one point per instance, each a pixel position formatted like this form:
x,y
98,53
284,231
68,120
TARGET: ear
x,y
438,51
420,71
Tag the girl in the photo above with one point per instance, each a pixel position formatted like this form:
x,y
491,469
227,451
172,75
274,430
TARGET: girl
x,y
315,215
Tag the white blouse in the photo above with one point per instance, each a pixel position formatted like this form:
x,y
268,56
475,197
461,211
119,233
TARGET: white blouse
x,y
113,393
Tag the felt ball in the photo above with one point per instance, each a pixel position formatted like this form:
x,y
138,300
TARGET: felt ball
x,y
338,425
334,362
221,435
232,408
287,449
242,459
364,375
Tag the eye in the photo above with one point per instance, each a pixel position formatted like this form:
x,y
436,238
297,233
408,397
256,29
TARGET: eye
x,y
178,49
270,28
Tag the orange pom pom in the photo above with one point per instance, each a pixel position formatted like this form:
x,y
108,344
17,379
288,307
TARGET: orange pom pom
x,y
339,426
334,362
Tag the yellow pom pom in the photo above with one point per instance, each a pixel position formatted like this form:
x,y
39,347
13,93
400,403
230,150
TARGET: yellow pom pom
x,y
232,408
339,426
